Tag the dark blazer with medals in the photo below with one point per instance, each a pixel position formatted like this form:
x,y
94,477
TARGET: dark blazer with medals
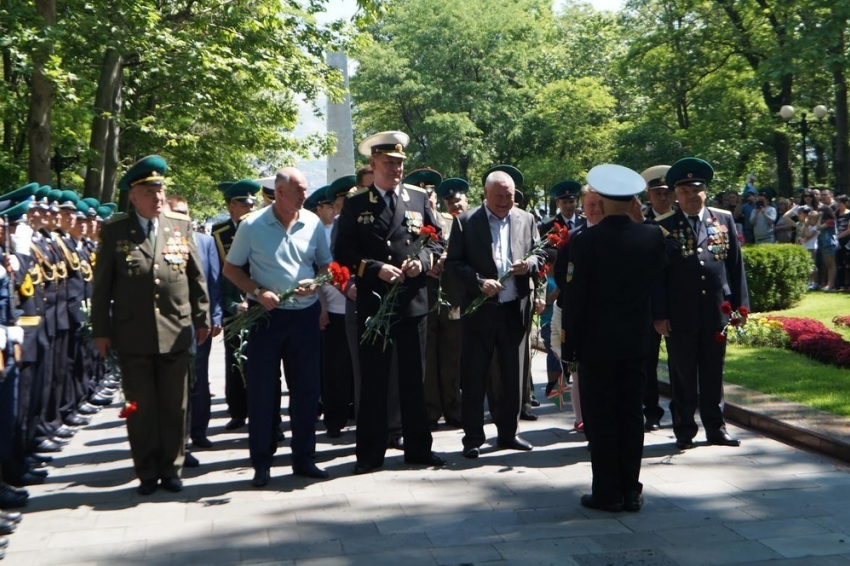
x,y
157,291
368,235
705,270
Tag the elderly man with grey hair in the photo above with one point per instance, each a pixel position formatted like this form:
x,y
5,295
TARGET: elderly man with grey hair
x,y
486,244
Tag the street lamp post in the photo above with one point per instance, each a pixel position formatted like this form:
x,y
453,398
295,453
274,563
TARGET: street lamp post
x,y
787,112
60,163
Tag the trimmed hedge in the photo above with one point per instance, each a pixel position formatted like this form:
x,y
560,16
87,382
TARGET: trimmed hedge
x,y
777,275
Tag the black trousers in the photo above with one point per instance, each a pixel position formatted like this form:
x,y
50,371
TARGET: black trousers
x,y
652,411
696,378
235,392
442,368
337,375
498,329
409,338
611,399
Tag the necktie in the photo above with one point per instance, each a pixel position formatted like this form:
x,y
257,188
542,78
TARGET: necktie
x,y
569,224
391,200
695,221
151,233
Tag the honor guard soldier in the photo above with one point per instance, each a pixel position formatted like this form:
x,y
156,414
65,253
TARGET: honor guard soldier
x,y
149,294
378,230
445,330
613,270
707,271
661,198
566,195
240,201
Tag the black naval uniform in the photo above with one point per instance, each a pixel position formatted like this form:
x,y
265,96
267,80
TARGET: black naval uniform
x,y
708,270
369,235
235,391
546,227
610,277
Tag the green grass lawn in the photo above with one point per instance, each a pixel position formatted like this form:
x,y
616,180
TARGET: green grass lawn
x,y
790,375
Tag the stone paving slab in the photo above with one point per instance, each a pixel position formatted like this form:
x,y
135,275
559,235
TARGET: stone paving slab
x,y
765,502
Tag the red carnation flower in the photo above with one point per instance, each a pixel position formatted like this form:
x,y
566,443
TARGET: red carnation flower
x,y
726,308
128,409
719,337
744,311
428,231
340,274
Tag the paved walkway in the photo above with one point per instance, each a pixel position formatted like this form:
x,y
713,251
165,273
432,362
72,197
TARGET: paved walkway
x,y
762,502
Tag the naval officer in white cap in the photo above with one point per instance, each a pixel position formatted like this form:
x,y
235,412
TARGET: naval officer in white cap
x,y
613,270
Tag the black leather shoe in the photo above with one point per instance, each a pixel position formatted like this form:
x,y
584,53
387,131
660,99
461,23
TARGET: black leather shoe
x,y
11,516
41,458
39,473
527,416
60,441
396,443
101,400
7,527
172,484
633,501
12,498
651,425
76,420
454,423
4,542
472,453
147,487
515,443
360,469
429,460
261,477
201,442
48,446
88,409
723,439
685,444
310,470
533,401
334,433
433,425
234,424
280,436
189,461
34,464
65,431
591,503
28,478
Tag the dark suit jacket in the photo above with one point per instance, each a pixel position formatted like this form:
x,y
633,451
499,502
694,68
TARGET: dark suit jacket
x,y
562,261
142,300
612,271
705,271
470,257
547,226
367,236
211,265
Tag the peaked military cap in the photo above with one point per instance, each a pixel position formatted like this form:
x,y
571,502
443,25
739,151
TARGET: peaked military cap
x,y
656,177
316,198
224,185
53,198
21,194
390,143
40,196
340,186
615,181
424,178
111,206
515,174
242,191
452,188
104,212
690,171
565,189
148,170
519,198
13,211
68,200
91,202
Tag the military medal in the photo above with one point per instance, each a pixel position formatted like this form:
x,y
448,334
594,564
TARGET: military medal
x,y
366,218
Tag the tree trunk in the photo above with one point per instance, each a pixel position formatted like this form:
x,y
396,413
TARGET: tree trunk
x,y
782,151
110,74
8,131
842,166
110,173
41,101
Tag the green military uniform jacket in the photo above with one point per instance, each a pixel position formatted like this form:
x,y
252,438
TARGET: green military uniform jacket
x,y
147,297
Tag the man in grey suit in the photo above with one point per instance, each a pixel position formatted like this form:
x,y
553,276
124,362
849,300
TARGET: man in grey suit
x,y
199,388
486,243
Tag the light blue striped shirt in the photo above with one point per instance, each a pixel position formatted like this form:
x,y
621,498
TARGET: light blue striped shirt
x,y
500,232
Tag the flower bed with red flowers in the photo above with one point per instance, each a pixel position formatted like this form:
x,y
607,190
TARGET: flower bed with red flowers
x,y
812,338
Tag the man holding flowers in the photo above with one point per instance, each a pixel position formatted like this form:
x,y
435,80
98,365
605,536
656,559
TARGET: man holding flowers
x,y
284,245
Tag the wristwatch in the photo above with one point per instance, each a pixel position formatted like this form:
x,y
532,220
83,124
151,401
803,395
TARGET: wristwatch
x,y
257,291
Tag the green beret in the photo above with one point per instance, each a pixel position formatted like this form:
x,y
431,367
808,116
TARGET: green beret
x,y
243,190
149,170
568,188
18,195
341,185
13,211
423,178
515,174
452,188
689,171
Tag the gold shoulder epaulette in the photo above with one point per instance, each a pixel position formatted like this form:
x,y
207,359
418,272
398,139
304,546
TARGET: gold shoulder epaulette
x,y
221,227
667,214
413,188
664,231
116,217
176,215
358,192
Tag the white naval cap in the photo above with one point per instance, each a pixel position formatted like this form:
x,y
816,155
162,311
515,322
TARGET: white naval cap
x,y
615,181
389,143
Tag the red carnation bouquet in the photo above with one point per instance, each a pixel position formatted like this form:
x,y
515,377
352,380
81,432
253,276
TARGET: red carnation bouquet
x,y
336,275
128,409
557,237
378,325
737,320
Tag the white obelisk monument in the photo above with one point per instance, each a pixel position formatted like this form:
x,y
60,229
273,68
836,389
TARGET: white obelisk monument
x,y
339,122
